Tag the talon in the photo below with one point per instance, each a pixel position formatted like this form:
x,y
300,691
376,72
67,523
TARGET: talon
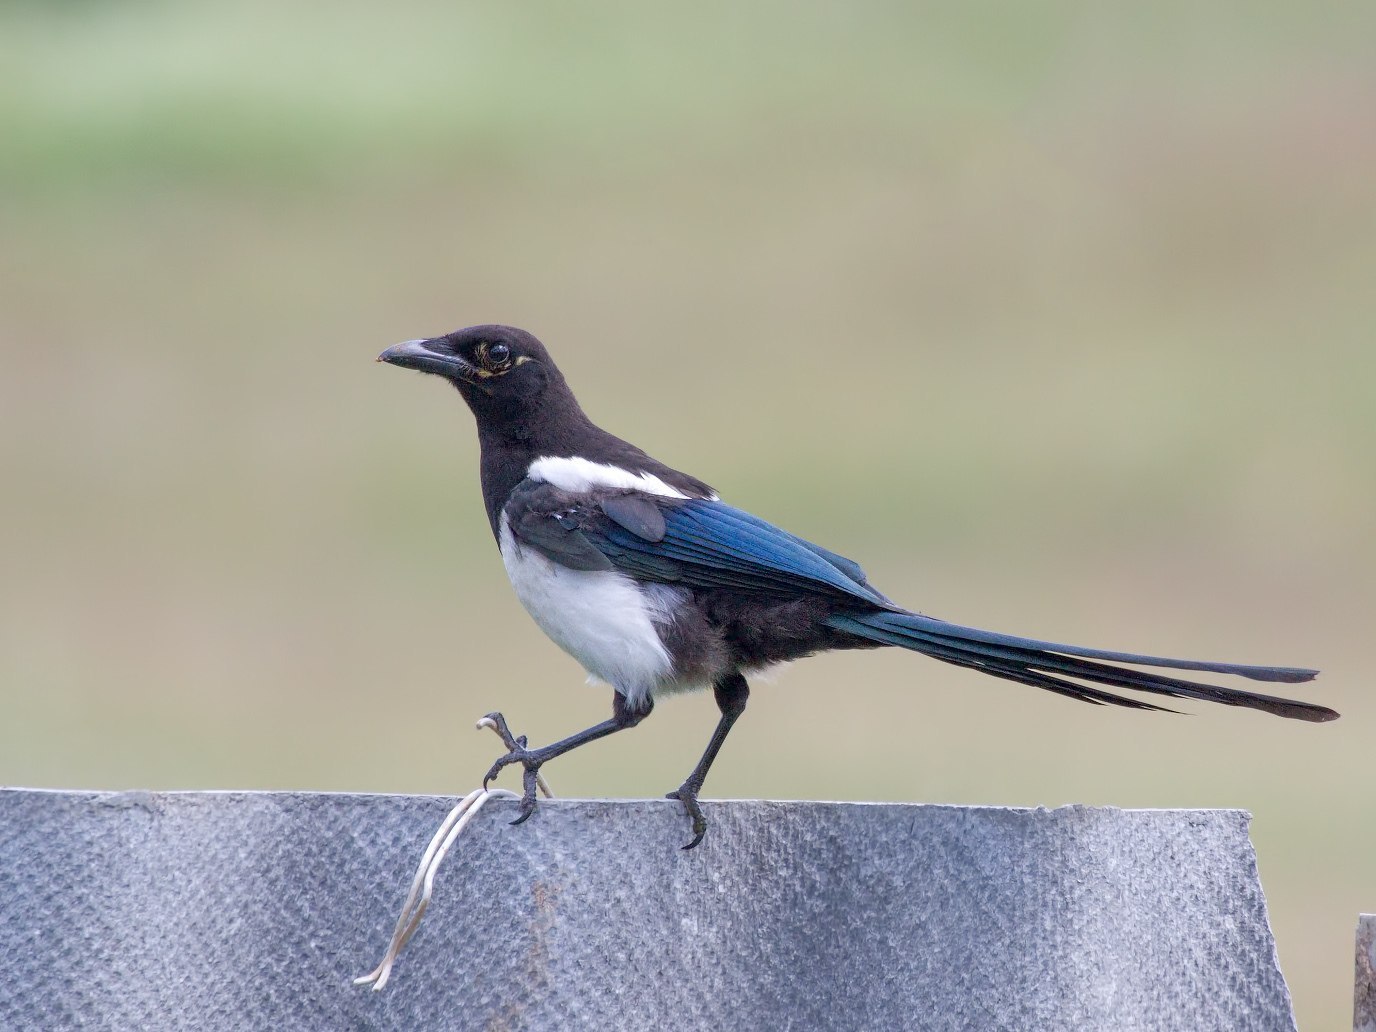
x,y
527,797
499,766
689,798
529,782
527,758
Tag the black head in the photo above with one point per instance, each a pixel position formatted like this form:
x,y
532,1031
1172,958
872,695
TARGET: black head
x,y
502,372
523,407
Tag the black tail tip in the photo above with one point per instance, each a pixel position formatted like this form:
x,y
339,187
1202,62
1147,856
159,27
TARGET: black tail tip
x,y
1305,711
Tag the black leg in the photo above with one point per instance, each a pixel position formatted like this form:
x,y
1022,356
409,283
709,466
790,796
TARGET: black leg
x,y
732,693
531,759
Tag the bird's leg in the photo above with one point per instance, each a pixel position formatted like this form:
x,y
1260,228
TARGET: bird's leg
x,y
623,716
732,693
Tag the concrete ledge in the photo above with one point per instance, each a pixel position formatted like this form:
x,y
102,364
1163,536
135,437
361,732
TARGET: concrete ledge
x,y
255,910
1364,994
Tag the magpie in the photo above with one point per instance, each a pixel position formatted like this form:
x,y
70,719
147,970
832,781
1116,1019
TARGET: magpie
x,y
655,585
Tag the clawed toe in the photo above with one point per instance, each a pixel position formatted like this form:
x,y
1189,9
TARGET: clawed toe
x,y
519,755
527,758
689,798
516,743
526,809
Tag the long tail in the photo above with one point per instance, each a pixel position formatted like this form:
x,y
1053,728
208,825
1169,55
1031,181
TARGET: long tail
x,y
1045,664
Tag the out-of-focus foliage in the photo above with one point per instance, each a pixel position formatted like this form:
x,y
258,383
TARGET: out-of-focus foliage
x,y
1059,319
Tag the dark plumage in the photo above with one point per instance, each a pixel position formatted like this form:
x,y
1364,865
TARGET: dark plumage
x,y
654,585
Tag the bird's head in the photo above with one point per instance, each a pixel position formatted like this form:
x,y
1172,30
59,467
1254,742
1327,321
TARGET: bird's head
x,y
499,370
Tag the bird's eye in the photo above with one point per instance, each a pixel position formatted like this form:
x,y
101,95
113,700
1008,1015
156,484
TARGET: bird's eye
x,y
496,355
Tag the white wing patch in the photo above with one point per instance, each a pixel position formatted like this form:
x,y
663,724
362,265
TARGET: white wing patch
x,y
575,474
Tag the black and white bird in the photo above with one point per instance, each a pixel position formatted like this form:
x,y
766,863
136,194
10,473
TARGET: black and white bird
x,y
654,585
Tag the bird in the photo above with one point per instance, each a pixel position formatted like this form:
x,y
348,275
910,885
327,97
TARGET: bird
x,y
655,585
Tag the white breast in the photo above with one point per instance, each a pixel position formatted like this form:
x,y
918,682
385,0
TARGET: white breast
x,y
602,618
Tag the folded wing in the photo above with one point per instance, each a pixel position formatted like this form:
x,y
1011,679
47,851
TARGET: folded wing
x,y
708,544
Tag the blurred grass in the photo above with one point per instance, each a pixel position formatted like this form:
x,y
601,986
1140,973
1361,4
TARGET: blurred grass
x,y
1059,319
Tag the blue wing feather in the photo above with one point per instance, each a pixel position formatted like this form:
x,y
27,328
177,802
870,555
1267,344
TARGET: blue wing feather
x,y
717,544
708,544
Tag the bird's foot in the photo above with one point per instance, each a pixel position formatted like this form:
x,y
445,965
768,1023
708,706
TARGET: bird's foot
x,y
687,794
530,759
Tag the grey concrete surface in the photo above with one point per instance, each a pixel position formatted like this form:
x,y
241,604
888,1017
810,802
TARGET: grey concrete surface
x,y
1364,991
255,910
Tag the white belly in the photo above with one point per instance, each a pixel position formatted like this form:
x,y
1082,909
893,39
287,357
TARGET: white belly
x,y
601,618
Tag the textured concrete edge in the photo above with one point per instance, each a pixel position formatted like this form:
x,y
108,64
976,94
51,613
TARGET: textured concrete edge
x,y
1364,990
153,800
141,796
1266,913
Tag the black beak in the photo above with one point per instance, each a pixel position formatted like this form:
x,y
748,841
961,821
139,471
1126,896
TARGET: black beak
x,y
423,356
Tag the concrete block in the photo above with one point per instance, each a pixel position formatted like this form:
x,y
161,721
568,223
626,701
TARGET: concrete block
x,y
1364,993
234,910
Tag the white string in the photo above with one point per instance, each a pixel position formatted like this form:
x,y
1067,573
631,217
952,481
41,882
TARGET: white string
x,y
422,886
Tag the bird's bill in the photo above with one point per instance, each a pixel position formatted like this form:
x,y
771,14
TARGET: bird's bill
x,y
426,357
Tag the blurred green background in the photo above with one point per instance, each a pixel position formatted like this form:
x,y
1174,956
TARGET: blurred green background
x,y
1058,317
